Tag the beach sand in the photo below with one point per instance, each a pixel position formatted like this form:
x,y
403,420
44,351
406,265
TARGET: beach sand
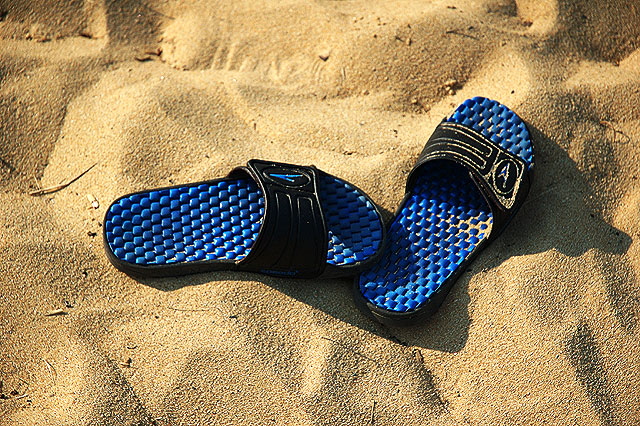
x,y
542,329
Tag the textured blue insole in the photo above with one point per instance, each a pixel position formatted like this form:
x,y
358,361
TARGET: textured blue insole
x,y
221,221
444,218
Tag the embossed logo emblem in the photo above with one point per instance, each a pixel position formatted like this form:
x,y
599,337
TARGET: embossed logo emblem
x,y
505,176
285,177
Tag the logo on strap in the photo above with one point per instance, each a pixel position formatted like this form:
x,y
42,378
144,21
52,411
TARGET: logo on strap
x,y
285,177
505,176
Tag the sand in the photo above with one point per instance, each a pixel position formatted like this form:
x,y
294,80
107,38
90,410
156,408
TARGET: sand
x,y
542,329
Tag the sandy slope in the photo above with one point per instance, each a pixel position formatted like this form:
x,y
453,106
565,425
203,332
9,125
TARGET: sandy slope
x,y
542,329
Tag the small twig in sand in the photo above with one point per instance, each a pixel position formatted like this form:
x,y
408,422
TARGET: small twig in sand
x,y
406,41
188,310
52,370
57,188
143,58
373,413
456,32
610,125
37,183
55,312
349,349
15,392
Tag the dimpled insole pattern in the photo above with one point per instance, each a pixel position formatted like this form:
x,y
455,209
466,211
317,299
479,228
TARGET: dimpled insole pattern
x,y
221,221
444,219
497,123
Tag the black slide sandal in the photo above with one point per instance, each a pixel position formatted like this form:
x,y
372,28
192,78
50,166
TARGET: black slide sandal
x,y
273,218
471,178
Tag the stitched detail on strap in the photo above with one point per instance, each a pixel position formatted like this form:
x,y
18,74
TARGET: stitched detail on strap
x,y
500,170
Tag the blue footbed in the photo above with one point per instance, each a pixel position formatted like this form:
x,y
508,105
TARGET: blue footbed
x,y
220,221
444,217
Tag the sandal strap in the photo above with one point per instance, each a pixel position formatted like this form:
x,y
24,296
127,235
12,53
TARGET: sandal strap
x,y
293,236
501,176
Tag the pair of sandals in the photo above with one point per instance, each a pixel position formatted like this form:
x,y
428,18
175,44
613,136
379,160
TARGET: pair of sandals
x,y
295,221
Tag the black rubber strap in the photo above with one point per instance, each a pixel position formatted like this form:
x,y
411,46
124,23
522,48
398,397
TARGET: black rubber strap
x,y
293,236
498,173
